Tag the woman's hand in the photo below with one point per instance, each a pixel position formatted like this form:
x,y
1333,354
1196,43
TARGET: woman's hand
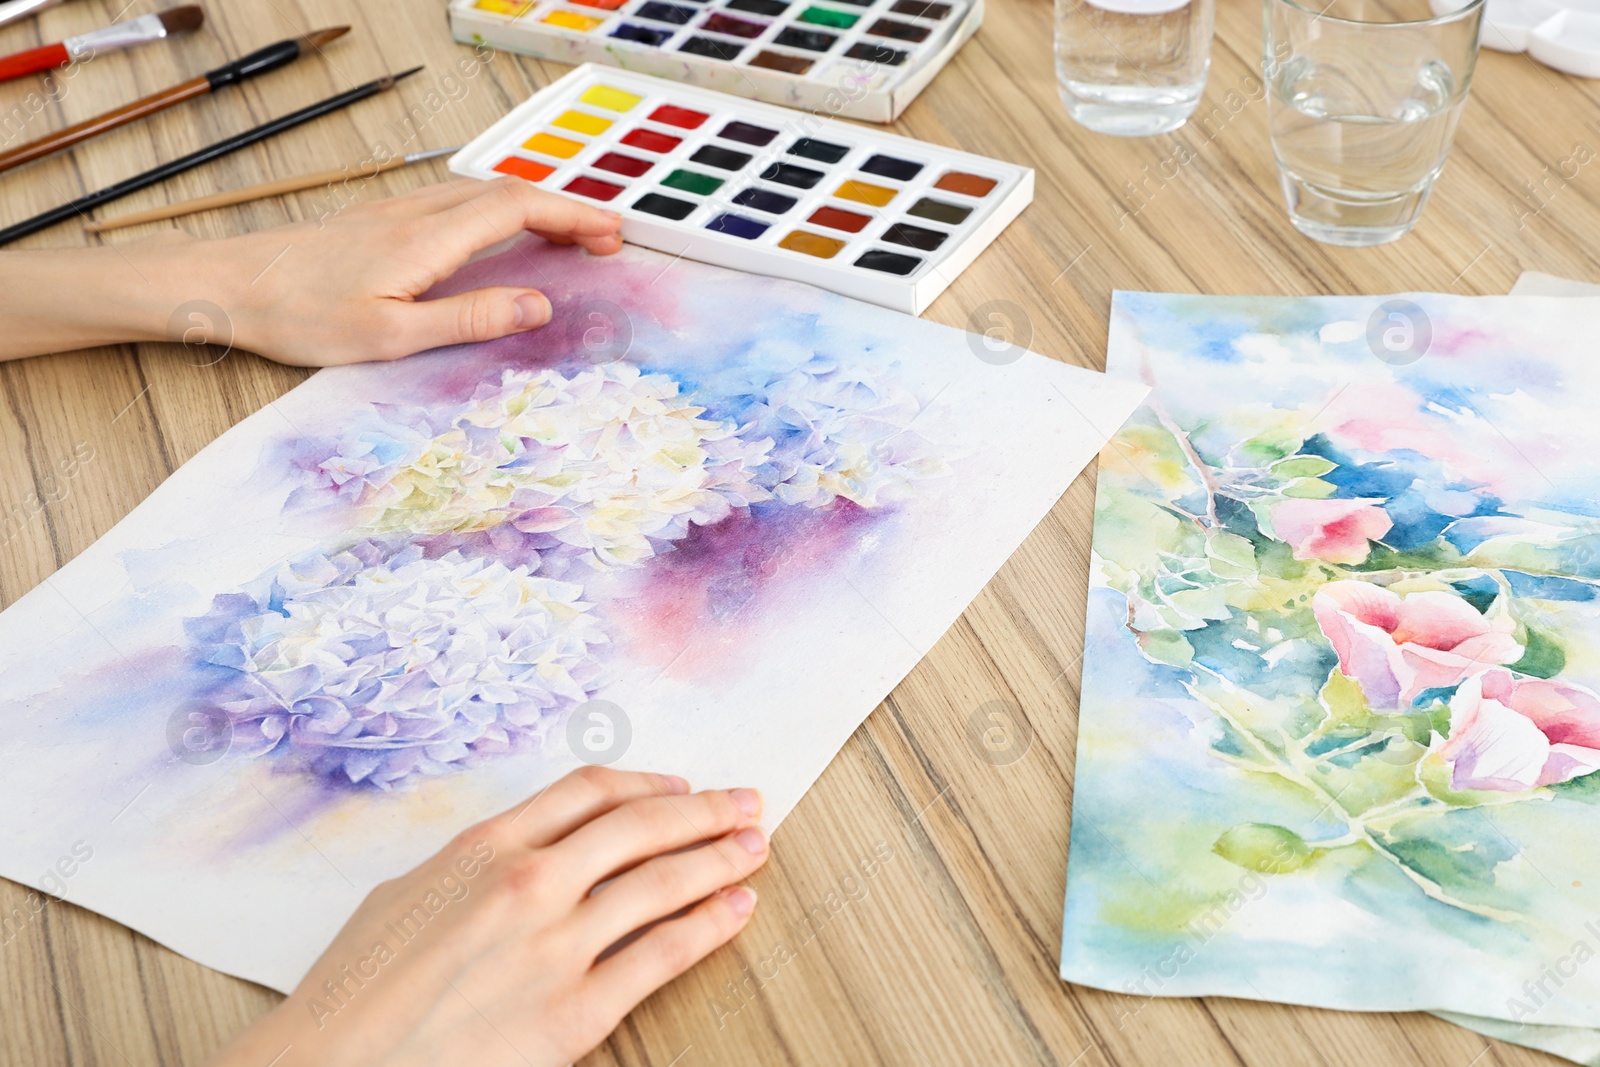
x,y
342,289
492,951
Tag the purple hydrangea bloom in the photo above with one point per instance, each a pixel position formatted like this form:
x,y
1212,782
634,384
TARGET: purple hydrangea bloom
x,y
379,664
835,433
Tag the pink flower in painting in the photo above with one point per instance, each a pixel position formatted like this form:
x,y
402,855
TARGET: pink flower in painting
x,y
1338,531
1512,733
1395,647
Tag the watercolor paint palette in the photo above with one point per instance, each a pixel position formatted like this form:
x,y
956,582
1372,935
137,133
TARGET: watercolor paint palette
x,y
859,59
757,188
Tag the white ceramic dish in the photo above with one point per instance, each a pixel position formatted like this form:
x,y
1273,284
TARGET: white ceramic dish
x,y
1561,34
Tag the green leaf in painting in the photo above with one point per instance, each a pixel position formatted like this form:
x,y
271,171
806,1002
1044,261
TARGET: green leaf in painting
x,y
1276,560
1438,719
1201,604
1232,745
1232,556
1457,850
1374,775
1309,488
1167,646
1259,846
1585,788
1266,448
1131,531
1303,467
1543,658
1421,726
1346,703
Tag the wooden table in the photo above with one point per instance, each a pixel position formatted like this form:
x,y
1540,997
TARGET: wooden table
x,y
948,955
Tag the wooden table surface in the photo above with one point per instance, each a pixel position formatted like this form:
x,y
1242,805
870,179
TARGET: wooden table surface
x,y
949,954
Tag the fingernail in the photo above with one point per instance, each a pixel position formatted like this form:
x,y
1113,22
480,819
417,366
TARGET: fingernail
x,y
752,841
617,215
742,900
673,784
747,800
532,310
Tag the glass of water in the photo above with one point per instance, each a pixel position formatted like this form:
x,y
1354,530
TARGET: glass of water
x,y
1363,100
1133,68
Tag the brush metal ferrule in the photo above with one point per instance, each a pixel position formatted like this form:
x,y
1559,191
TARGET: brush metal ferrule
x,y
115,36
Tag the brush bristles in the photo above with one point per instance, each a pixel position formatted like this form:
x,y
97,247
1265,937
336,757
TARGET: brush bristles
x,y
388,81
184,19
318,38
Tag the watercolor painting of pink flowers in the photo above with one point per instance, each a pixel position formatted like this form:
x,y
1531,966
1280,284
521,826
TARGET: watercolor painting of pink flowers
x,y
1396,647
1516,733
1340,726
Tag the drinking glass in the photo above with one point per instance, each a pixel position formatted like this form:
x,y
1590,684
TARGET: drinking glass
x,y
1363,100
1133,68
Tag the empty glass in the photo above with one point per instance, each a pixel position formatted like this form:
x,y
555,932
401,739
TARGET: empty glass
x,y
1363,100
1133,67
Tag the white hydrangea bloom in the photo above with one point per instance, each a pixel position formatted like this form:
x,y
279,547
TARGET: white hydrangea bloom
x,y
601,463
384,668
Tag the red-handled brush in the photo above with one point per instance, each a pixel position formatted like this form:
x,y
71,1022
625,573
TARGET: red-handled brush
x,y
97,42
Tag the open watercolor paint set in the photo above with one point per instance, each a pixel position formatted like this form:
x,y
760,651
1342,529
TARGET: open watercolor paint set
x,y
859,59
758,188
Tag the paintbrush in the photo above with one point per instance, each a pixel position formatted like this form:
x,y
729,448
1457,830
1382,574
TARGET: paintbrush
x,y
16,9
194,159
262,191
98,42
259,62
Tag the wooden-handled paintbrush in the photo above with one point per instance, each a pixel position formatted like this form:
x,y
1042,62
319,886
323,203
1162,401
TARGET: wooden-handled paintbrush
x,y
265,189
259,62
110,38
84,204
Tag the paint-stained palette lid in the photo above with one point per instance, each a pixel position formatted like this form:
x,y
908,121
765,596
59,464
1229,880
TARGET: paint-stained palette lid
x,y
858,59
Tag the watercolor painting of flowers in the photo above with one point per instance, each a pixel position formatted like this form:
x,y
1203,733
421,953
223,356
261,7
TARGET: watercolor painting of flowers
x,y
724,514
1340,728
460,616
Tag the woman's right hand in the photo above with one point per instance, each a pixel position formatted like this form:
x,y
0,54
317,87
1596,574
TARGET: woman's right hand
x,y
491,951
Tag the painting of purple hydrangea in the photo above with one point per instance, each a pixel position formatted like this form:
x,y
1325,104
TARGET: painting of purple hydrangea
x,y
703,522
1340,728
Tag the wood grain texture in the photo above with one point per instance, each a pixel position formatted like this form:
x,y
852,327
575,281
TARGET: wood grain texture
x,y
948,954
